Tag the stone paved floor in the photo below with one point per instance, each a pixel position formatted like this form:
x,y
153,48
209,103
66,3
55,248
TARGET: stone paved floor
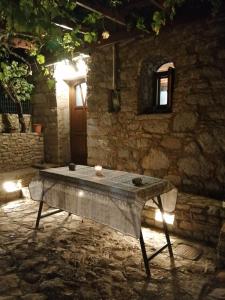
x,y
71,259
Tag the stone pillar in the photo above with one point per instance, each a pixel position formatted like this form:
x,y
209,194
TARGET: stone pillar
x,y
44,106
62,98
51,109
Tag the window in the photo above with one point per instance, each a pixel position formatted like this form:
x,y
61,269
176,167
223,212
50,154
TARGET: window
x,y
80,94
156,86
162,88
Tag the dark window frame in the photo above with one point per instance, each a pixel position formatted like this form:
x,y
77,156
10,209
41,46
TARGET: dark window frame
x,y
157,76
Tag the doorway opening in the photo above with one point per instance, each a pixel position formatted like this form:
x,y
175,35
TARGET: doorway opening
x,y
78,121
71,91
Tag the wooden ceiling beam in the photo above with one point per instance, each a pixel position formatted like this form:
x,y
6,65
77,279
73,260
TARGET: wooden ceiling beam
x,y
145,3
120,37
158,4
107,13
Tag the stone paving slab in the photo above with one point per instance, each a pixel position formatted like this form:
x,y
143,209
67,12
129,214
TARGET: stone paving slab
x,y
68,258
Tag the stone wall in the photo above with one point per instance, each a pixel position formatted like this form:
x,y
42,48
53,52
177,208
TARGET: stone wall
x,y
186,146
221,247
44,107
20,150
51,109
14,121
196,217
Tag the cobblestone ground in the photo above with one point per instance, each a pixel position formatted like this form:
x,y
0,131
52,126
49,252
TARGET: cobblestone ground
x,y
70,259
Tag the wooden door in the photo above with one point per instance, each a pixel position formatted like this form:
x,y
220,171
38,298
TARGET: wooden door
x,y
78,121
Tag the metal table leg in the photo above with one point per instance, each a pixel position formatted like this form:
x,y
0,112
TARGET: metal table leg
x,y
47,214
168,244
39,214
165,227
144,254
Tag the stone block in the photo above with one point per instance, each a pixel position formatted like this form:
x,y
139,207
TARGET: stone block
x,y
214,220
185,121
199,217
149,213
174,179
197,210
153,126
186,225
123,153
155,160
184,207
171,143
208,143
189,166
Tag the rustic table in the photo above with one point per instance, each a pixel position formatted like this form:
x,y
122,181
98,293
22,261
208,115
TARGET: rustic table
x,y
110,198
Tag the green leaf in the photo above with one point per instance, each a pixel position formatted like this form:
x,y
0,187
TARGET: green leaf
x,y
92,18
51,83
40,59
140,24
90,37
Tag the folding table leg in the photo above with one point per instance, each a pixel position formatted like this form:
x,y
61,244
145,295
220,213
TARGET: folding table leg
x,y
39,214
165,227
144,255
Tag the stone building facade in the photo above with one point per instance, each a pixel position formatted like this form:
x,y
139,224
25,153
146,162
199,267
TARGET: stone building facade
x,y
186,146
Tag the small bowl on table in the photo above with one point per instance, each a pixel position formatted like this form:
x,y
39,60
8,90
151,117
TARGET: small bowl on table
x,y
137,181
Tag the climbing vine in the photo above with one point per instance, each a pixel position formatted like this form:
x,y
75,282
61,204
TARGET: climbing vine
x,y
35,26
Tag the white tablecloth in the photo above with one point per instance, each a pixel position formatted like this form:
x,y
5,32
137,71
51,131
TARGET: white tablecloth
x,y
111,199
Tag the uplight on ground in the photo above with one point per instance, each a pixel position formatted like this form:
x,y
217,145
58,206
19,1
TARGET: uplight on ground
x,y
12,186
169,218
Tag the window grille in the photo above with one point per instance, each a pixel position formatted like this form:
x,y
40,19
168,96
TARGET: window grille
x,y
8,106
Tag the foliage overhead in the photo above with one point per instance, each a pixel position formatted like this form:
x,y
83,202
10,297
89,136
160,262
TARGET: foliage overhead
x,y
35,21
13,79
33,25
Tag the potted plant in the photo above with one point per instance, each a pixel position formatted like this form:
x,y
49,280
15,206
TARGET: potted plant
x,y
37,128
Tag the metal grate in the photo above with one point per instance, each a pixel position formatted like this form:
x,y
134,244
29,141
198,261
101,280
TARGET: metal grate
x,y
8,106
188,251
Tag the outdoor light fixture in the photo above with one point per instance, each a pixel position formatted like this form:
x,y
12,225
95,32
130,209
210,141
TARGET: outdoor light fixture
x,y
169,218
65,70
12,186
70,70
105,35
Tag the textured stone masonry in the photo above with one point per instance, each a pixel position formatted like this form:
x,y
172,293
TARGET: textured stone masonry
x,y
221,247
196,217
13,118
51,109
20,150
186,146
